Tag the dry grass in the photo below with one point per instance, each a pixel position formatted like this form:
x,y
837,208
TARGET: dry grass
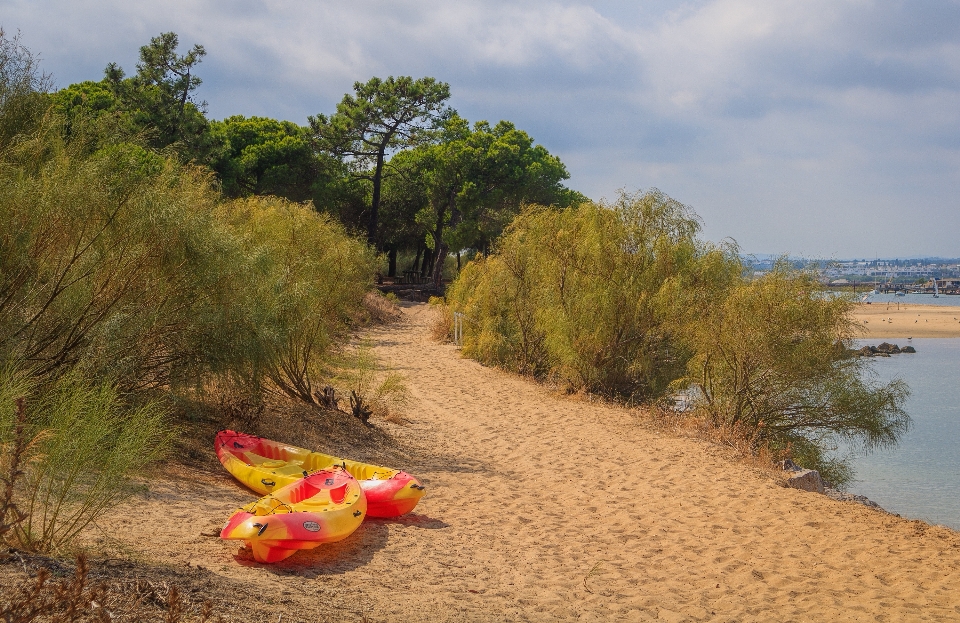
x,y
739,442
76,598
286,420
443,320
380,308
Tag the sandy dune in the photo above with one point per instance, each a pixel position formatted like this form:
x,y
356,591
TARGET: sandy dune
x,y
893,320
543,508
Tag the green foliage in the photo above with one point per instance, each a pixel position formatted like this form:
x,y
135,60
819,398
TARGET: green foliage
x,y
22,87
159,98
383,116
624,300
90,443
155,107
125,280
267,157
461,191
584,294
773,357
106,260
302,287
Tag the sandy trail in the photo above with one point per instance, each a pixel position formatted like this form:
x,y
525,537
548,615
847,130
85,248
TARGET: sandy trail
x,y
541,508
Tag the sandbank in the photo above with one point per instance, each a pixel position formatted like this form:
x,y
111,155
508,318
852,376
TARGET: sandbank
x,y
903,320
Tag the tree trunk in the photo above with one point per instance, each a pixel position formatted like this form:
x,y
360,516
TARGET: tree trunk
x,y
458,262
427,266
416,260
375,202
438,264
442,247
392,259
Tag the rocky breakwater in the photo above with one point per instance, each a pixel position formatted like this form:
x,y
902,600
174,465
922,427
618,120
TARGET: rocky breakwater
x,y
883,350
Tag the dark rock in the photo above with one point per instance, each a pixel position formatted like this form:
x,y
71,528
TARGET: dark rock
x,y
851,497
789,466
883,350
806,480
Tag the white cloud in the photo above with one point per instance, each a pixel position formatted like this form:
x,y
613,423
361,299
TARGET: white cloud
x,y
791,125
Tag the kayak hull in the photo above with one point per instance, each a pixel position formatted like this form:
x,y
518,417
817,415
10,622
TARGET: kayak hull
x,y
324,507
265,465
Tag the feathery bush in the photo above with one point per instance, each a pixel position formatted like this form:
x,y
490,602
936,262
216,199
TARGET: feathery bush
x,y
86,445
772,357
625,301
586,294
105,263
304,286
125,280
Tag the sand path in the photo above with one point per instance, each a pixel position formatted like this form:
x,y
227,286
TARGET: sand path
x,y
542,508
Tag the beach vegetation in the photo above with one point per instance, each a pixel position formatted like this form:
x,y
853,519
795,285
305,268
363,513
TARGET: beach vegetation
x,y
470,183
773,358
128,285
302,287
624,300
393,160
373,389
49,596
87,445
587,295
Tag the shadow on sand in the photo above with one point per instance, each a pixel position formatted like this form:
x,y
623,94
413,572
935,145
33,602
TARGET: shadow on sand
x,y
351,553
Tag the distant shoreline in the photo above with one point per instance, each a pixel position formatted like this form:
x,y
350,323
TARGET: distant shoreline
x,y
903,320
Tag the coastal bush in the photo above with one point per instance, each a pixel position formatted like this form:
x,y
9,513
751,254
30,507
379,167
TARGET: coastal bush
x,y
306,284
772,358
88,443
126,283
587,295
625,301
106,263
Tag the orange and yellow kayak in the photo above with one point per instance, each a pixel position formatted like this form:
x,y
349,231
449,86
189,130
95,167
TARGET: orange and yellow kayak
x,y
326,506
265,465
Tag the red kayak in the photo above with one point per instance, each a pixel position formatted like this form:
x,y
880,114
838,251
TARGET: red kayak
x,y
326,506
265,465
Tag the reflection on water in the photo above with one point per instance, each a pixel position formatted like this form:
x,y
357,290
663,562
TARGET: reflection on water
x,y
920,478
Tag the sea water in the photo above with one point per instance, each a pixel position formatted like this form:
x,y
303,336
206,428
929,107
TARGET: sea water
x,y
946,300
920,477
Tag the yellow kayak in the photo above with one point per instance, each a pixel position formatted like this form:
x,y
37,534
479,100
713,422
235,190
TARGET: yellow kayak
x,y
326,506
265,465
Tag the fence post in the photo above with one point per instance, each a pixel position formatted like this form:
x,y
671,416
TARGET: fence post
x,y
458,329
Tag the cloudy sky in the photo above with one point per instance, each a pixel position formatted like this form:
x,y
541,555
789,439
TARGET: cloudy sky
x,y
819,128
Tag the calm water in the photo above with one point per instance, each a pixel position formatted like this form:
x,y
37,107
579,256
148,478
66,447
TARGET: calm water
x,y
920,478
948,300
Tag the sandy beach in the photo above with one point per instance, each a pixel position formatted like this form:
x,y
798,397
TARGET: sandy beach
x,y
541,507
893,320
